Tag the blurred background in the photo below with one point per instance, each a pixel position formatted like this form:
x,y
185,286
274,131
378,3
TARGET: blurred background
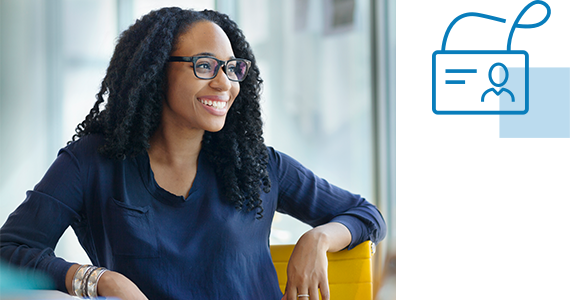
x,y
328,97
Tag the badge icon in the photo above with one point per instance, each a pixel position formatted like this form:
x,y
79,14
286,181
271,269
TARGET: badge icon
x,y
472,82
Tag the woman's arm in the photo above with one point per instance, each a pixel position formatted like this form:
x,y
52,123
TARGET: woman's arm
x,y
30,234
314,201
307,268
340,220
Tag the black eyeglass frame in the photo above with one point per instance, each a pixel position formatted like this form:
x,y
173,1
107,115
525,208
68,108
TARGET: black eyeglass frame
x,y
221,64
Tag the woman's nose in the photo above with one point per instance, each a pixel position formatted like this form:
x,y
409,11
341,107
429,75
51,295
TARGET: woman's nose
x,y
221,81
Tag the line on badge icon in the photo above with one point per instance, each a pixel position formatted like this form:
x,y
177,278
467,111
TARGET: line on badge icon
x,y
461,71
455,82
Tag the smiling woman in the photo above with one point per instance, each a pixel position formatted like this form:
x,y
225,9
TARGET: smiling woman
x,y
172,175
192,106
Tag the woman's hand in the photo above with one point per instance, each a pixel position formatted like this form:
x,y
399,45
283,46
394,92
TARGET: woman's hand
x,y
307,268
113,284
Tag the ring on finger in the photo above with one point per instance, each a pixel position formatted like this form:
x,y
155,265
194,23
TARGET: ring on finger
x,y
303,296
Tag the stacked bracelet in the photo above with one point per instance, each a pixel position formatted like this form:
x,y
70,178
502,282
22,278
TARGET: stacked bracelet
x,y
93,281
85,281
77,283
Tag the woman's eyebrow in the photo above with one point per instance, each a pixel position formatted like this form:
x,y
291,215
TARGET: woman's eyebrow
x,y
209,54
204,54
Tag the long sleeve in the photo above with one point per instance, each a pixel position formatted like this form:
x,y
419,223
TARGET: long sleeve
x,y
314,201
29,236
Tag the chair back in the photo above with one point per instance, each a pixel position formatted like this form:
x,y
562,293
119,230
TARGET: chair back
x,y
349,271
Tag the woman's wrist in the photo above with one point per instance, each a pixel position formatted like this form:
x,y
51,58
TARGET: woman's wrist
x,y
110,285
69,278
318,238
113,284
331,237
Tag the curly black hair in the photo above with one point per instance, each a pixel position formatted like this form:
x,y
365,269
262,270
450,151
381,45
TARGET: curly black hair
x,y
134,88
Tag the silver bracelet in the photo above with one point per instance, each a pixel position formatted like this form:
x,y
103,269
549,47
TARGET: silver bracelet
x,y
93,281
77,283
85,278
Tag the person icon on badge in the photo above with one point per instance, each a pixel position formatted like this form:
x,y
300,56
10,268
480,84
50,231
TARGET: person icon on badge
x,y
500,84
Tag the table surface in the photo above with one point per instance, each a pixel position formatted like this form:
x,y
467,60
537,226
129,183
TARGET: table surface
x,y
40,295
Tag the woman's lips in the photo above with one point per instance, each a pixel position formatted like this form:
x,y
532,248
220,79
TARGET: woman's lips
x,y
214,105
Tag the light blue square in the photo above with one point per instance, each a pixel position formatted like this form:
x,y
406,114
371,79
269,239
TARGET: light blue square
x,y
549,104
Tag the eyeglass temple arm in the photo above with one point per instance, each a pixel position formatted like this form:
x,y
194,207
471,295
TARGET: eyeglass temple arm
x,y
181,58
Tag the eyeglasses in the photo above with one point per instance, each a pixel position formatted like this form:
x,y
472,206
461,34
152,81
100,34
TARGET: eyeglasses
x,y
207,67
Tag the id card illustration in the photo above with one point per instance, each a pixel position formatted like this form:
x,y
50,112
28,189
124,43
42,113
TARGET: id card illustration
x,y
475,82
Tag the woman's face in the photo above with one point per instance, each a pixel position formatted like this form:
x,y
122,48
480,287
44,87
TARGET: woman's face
x,y
194,103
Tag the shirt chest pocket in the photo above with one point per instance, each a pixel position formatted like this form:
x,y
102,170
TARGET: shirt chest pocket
x,y
130,230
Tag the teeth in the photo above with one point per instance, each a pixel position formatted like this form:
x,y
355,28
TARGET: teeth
x,y
215,104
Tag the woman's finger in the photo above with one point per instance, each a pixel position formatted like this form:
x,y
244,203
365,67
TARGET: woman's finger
x,y
291,292
313,292
286,292
324,286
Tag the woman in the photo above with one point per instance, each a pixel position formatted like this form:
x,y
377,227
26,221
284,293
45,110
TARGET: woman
x,y
171,187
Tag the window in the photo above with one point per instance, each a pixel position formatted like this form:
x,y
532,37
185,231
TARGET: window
x,y
315,59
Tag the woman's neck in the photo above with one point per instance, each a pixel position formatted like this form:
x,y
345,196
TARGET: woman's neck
x,y
173,158
173,147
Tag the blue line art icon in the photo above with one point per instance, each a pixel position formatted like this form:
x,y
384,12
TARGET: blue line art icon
x,y
464,82
500,84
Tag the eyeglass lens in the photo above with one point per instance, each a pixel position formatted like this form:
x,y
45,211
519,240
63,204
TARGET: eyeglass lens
x,y
207,68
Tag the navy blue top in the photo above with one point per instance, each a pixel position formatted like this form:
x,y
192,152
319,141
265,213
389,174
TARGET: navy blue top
x,y
200,247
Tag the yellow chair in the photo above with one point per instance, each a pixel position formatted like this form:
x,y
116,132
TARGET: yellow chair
x,y
350,272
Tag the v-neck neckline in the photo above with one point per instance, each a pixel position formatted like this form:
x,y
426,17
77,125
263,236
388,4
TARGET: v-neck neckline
x,y
163,195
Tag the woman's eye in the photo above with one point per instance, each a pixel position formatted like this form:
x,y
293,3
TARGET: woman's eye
x,y
236,68
203,66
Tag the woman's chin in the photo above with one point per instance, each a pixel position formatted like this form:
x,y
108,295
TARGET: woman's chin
x,y
215,128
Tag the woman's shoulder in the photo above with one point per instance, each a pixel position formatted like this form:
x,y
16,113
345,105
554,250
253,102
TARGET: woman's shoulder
x,y
282,163
274,156
86,146
87,142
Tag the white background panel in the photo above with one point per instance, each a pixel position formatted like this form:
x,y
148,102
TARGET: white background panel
x,y
479,217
